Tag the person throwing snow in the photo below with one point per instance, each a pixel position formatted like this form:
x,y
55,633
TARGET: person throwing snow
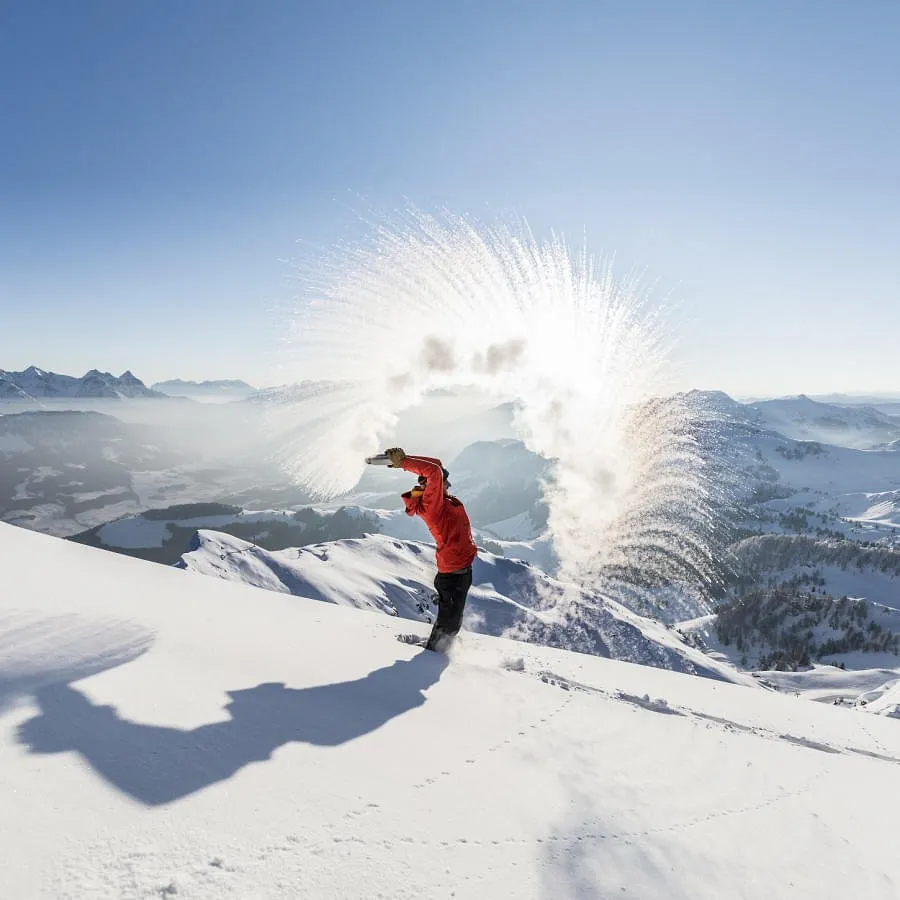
x,y
448,523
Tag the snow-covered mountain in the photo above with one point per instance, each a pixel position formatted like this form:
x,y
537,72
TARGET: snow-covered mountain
x,y
783,628
803,419
9,390
846,486
814,523
219,391
874,400
163,535
34,383
168,735
508,597
791,584
502,483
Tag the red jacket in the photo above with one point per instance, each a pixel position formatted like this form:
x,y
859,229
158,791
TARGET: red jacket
x,y
444,515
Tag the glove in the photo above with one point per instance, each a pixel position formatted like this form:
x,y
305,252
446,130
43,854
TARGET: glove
x,y
396,456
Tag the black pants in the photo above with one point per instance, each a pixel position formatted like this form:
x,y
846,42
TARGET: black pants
x,y
452,589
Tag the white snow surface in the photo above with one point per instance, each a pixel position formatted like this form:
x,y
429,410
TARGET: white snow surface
x,y
883,700
167,735
830,469
391,576
827,684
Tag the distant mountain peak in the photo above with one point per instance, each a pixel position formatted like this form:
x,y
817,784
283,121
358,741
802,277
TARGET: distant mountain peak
x,y
33,382
217,389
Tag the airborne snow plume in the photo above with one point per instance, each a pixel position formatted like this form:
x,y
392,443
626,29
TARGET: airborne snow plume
x,y
437,302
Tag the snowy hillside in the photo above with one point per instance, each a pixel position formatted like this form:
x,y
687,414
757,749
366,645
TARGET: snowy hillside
x,y
784,445
834,566
783,629
800,599
163,535
796,487
9,390
508,596
803,419
167,735
829,470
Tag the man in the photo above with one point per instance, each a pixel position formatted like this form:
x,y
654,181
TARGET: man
x,y
449,525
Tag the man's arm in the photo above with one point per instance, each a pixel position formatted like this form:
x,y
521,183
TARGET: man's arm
x,y
432,469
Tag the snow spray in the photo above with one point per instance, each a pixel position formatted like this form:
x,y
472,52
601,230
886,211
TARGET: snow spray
x,y
438,301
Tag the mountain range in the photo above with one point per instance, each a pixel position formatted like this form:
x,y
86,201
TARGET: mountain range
x,y
221,390
35,384
861,427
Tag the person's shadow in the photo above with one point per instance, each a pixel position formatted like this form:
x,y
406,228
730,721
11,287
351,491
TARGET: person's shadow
x,y
157,764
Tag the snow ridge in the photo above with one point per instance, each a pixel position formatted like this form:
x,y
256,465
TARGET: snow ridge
x,y
508,597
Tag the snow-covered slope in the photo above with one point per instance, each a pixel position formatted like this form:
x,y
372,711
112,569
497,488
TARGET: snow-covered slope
x,y
167,735
163,535
9,390
828,469
883,700
508,596
833,566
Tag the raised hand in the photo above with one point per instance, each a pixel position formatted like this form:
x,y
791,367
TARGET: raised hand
x,y
396,456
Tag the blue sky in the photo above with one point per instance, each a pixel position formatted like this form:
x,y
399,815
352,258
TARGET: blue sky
x,y
161,160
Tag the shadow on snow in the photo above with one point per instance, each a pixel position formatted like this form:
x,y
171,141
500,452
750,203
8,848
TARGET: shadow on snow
x,y
38,650
158,764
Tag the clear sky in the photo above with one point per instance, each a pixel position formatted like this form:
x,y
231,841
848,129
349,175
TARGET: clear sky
x,y
160,160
